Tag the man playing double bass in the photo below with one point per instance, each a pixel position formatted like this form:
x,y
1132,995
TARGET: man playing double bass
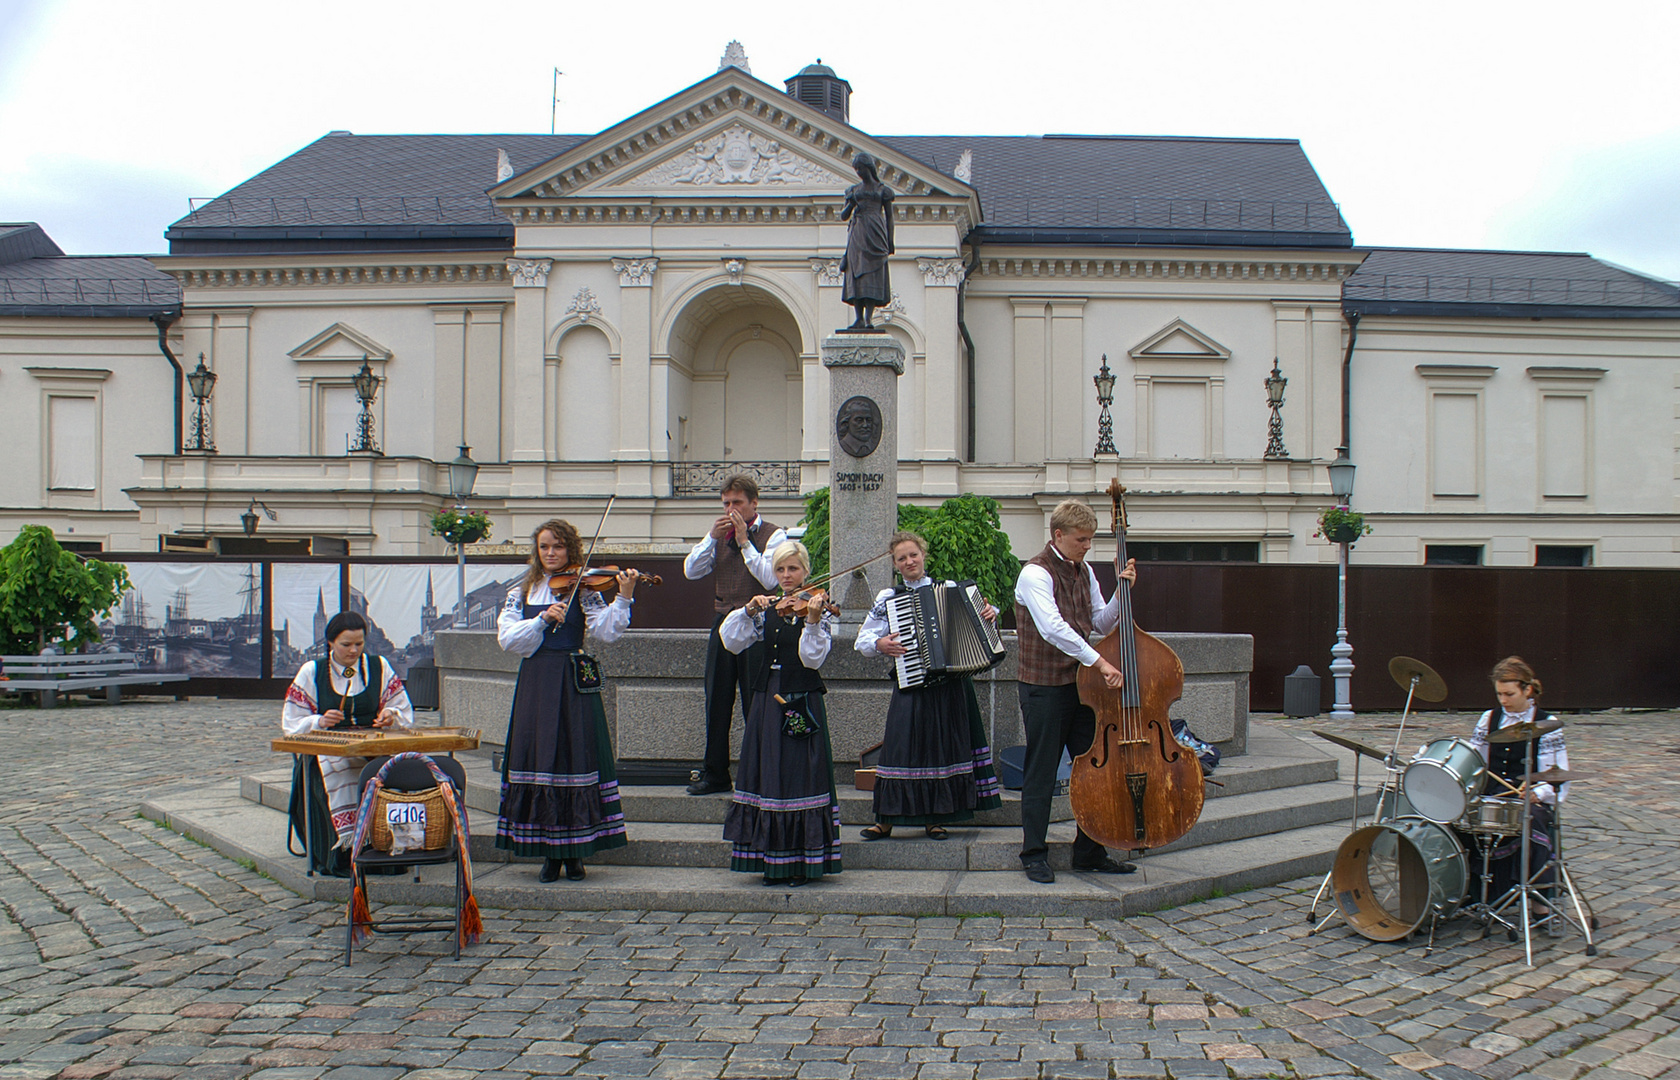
x,y
736,553
1058,603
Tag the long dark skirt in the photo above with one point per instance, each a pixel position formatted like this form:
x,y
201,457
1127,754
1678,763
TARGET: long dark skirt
x,y
785,820
559,783
936,763
1505,868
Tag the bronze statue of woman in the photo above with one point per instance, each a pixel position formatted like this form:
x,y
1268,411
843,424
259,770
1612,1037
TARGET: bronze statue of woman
x,y
869,240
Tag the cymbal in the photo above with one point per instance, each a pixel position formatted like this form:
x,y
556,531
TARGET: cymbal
x,y
1429,685
1555,775
1352,744
1525,731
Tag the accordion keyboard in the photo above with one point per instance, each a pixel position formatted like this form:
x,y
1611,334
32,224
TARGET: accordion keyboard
x,y
903,615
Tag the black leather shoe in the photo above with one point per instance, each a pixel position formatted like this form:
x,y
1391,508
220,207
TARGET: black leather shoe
x,y
574,869
550,873
1039,872
703,786
1108,865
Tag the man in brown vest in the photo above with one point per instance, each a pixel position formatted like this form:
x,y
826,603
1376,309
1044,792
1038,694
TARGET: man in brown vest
x,y
737,554
1058,603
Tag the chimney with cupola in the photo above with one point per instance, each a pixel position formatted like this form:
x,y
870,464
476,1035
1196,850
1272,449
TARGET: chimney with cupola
x,y
818,87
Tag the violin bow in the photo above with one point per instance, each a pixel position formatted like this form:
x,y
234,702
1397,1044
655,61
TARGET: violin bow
x,y
822,583
576,585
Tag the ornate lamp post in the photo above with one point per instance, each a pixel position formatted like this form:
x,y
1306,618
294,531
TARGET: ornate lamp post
x,y
1341,664
202,382
463,473
1275,382
248,520
367,385
1105,397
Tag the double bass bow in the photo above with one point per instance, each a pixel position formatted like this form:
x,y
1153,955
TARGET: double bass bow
x,y
1136,787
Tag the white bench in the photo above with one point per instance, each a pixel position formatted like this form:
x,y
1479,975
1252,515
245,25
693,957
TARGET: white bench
x,y
55,675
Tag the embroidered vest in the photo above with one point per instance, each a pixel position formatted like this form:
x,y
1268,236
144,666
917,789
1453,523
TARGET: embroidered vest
x,y
1041,663
781,646
360,710
735,584
1510,760
568,635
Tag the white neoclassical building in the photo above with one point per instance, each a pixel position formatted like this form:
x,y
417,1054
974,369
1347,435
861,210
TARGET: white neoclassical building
x,y
639,312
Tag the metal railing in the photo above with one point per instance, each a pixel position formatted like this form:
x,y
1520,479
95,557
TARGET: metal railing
x,y
341,210
1476,289
1225,215
707,477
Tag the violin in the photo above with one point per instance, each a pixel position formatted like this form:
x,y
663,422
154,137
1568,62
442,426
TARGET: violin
x,y
800,603
596,579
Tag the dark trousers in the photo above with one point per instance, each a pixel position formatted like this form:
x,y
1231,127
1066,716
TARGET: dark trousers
x,y
726,672
1055,719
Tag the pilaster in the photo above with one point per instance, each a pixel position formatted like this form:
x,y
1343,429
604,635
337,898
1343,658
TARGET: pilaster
x,y
230,356
636,418
1069,390
943,391
1031,401
525,378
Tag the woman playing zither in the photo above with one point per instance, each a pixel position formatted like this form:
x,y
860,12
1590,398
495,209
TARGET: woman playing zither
x,y
784,821
348,688
936,764
559,782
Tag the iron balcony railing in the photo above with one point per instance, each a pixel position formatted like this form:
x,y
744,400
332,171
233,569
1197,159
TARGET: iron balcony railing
x,y
707,477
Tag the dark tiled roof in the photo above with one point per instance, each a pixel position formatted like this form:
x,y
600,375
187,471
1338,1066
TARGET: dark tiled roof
x,y
354,191
1511,284
1141,190
81,286
427,192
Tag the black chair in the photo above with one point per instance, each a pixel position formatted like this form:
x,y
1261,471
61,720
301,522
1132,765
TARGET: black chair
x,y
409,776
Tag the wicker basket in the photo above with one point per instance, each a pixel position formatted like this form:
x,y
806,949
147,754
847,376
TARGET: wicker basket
x,y
439,823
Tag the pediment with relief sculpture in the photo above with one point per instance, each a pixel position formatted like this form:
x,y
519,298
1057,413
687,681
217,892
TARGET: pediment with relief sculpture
x,y
737,156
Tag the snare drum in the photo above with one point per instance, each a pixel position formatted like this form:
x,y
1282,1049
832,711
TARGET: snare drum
x,y
1442,780
1495,816
1389,877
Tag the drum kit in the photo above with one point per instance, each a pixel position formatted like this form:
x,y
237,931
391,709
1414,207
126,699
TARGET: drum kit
x,y
1412,861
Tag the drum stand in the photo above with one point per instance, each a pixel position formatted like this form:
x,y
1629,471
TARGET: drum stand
x,y
1525,892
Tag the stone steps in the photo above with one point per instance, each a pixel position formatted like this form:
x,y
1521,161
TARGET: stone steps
x,y
1280,815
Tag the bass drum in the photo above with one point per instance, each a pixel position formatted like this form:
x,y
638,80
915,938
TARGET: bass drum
x,y
1389,877
1443,778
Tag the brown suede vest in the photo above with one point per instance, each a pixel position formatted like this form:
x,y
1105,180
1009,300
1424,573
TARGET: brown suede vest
x,y
735,584
1041,663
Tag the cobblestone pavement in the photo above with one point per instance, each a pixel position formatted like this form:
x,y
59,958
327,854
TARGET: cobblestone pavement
x,y
129,951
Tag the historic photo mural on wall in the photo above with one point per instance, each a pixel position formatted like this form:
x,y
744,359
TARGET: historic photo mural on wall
x,y
203,619
407,604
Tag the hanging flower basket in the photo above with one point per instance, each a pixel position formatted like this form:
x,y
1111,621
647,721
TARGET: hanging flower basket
x,y
458,528
1340,525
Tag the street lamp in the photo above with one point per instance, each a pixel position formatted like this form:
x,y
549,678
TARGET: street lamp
x,y
367,385
463,473
1275,382
1341,664
202,382
1105,397
248,520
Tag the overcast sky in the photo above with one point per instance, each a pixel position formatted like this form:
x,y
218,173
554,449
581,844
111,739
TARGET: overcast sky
x,y
1533,125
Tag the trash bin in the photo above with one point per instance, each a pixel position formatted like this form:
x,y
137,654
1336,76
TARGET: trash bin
x,y
1300,693
421,682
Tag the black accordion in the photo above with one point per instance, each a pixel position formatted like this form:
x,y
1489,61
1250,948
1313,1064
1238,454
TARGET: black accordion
x,y
941,627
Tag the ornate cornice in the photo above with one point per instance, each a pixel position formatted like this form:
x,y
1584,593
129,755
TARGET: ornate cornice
x,y
635,273
751,210
1166,268
365,274
530,273
941,271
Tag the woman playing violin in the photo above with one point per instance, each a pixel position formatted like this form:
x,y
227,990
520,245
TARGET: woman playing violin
x,y
784,822
559,782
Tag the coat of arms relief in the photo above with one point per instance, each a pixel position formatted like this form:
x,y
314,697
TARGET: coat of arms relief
x,y
738,156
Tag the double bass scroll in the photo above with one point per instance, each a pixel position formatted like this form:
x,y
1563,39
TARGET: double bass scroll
x,y
1135,788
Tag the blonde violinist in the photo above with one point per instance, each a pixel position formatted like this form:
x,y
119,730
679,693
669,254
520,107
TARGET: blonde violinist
x,y
345,689
784,822
559,781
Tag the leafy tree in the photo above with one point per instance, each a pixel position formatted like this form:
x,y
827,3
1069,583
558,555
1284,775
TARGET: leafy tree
x,y
965,536
48,594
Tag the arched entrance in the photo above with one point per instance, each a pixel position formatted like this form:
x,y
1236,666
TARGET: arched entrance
x,y
735,378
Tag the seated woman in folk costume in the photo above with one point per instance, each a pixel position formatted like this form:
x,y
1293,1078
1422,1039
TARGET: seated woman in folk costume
x,y
346,688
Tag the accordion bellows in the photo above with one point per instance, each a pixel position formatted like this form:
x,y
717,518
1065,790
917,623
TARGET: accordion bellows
x,y
941,628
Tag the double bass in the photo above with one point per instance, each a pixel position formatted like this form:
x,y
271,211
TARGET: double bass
x,y
1136,787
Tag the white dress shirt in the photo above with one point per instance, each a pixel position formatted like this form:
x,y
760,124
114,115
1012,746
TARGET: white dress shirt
x,y
1035,591
1551,753
762,565
302,712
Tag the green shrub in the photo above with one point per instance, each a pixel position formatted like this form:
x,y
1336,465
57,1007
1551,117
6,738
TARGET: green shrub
x,y
48,594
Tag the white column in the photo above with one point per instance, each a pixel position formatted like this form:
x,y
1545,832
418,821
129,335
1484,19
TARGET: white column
x,y
530,323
